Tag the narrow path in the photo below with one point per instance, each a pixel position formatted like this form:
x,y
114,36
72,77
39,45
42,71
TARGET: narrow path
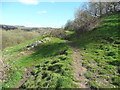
x,y
79,70
79,79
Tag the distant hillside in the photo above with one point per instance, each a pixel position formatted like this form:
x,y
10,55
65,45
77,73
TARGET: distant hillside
x,y
16,27
8,27
13,35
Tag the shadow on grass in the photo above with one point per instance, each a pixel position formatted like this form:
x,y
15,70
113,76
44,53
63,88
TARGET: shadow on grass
x,y
97,36
42,53
49,49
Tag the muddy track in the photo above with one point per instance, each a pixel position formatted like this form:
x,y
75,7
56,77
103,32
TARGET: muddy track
x,y
79,70
79,78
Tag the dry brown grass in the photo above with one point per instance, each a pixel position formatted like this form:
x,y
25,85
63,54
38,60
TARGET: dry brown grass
x,y
14,37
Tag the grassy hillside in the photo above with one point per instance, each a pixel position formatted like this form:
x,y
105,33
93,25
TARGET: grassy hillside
x,y
14,37
51,61
100,51
48,65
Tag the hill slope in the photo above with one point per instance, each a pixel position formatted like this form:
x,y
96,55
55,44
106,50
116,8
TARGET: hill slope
x,y
99,49
49,65
46,65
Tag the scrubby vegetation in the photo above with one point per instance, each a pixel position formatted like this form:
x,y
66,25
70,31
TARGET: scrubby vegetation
x,y
14,37
87,17
58,33
17,36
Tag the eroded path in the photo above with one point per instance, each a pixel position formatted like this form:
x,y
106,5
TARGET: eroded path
x,y
79,78
79,70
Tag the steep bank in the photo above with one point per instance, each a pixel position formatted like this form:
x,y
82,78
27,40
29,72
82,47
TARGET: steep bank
x,y
100,53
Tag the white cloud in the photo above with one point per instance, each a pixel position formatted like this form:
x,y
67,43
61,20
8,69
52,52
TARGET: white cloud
x,y
42,12
33,2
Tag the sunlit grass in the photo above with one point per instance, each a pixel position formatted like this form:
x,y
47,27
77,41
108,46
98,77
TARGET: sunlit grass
x,y
99,49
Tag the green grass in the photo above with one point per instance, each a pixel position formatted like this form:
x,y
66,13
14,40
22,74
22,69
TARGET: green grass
x,y
99,49
52,58
53,68
10,57
69,32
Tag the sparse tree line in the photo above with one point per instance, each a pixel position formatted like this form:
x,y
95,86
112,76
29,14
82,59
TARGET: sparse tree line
x,y
102,8
7,27
86,18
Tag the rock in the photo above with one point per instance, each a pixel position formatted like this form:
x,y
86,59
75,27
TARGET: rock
x,y
28,47
32,46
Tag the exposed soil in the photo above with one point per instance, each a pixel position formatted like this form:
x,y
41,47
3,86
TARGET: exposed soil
x,y
79,79
3,67
79,70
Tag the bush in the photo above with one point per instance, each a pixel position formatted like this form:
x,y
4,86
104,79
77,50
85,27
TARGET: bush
x,y
87,17
58,33
83,22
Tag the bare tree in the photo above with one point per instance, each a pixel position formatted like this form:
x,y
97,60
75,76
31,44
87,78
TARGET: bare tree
x,y
86,17
69,25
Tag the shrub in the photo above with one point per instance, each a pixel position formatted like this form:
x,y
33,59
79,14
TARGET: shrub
x,y
58,33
